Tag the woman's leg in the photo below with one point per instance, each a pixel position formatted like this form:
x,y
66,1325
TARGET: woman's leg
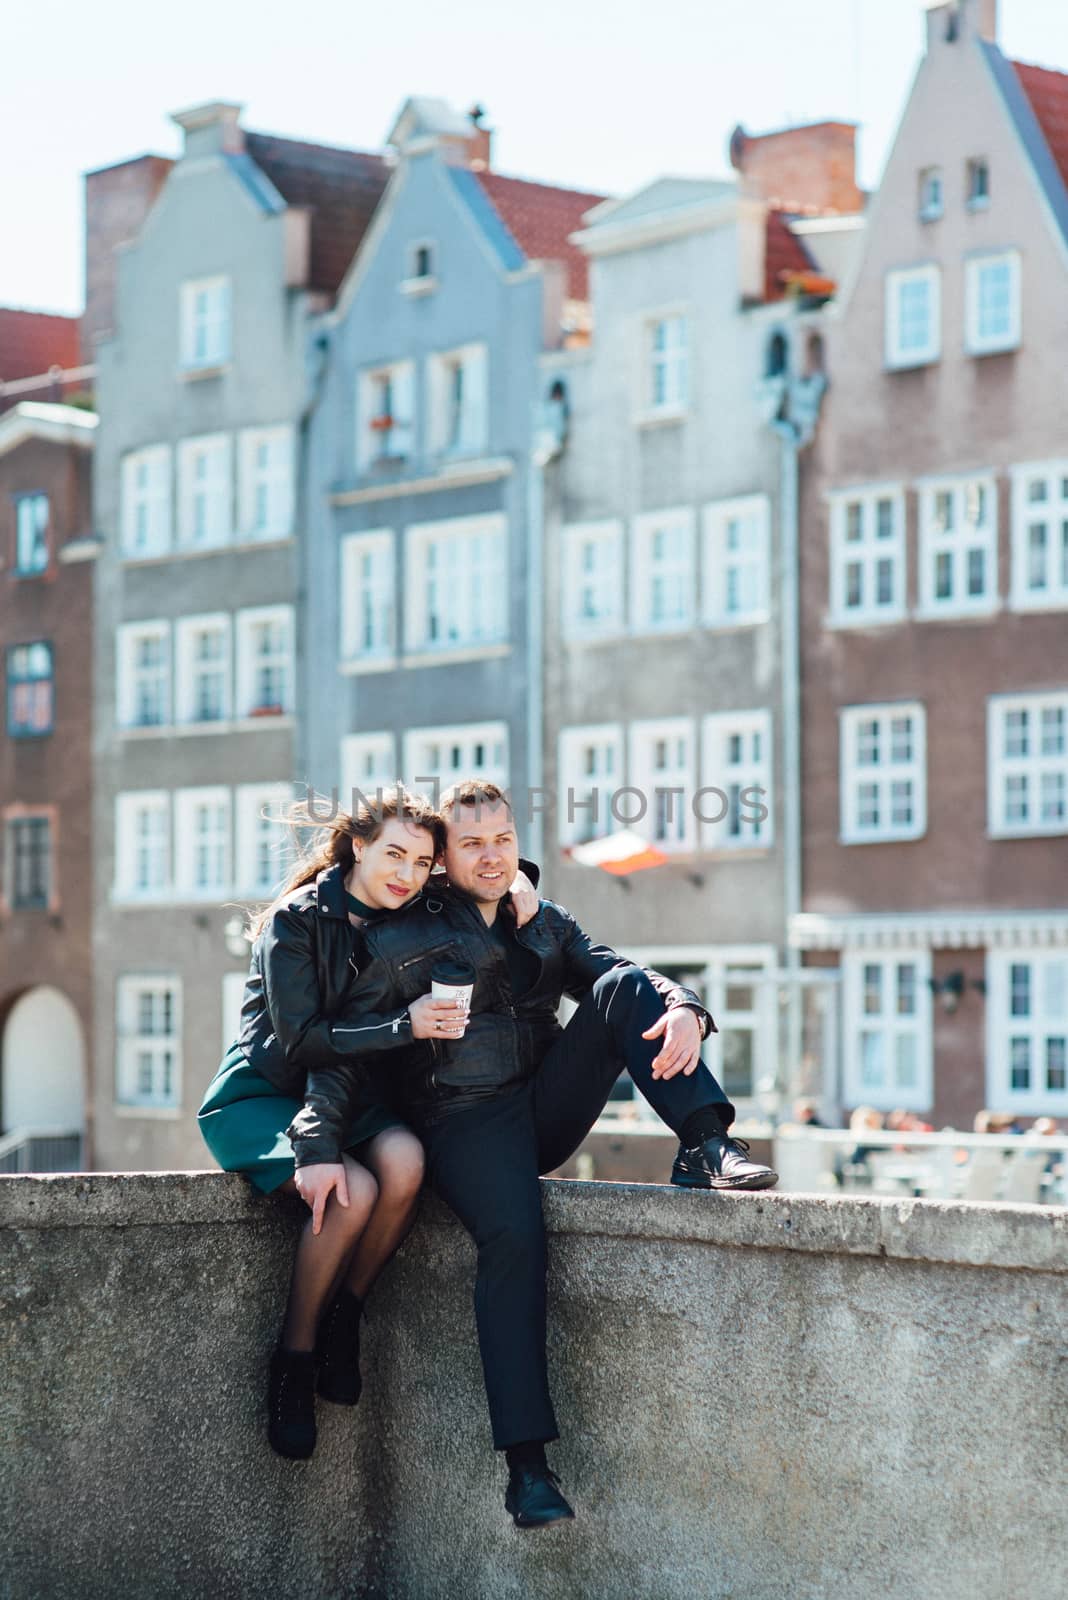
x,y
322,1258
395,1157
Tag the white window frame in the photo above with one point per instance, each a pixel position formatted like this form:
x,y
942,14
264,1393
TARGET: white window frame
x,y
883,774
368,762
887,1025
247,703
956,542
713,970
1031,767
465,739
587,794
251,829
233,998
591,579
678,569
128,636
672,359
740,828
216,528
867,553
265,491
461,432
478,627
370,596
973,200
187,630
1052,513
669,823
976,342
213,351
736,572
1041,1026
131,1043
417,283
187,841
130,807
932,198
377,445
899,359
146,511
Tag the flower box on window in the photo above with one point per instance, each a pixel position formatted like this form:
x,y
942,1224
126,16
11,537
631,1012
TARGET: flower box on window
x,y
266,711
381,424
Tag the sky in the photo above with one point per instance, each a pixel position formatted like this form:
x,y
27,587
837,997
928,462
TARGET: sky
x,y
601,95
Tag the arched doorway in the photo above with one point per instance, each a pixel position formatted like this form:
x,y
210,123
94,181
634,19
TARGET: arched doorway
x,y
42,1064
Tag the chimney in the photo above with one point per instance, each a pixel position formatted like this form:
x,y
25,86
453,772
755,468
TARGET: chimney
x,y
211,129
464,140
117,201
948,22
810,169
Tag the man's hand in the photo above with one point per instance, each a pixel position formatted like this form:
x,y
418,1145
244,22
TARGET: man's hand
x,y
682,1042
525,900
437,1019
314,1185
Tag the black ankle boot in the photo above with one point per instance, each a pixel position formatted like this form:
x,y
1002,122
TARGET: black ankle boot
x,y
337,1350
291,1403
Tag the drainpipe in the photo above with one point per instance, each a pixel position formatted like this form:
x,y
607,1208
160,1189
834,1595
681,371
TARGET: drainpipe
x,y
549,427
789,444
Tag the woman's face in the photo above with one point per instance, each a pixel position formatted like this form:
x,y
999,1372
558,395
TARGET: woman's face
x,y
393,867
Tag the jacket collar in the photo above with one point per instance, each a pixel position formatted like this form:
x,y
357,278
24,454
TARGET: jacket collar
x,y
330,892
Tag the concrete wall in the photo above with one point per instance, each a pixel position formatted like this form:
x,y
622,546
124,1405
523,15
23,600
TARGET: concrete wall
x,y
774,1396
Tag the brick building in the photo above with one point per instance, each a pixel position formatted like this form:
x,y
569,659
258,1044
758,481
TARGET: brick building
x,y
46,549
934,595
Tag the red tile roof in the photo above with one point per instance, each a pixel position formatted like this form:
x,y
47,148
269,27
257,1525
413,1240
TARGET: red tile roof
x,y
1048,93
31,342
783,252
540,218
341,187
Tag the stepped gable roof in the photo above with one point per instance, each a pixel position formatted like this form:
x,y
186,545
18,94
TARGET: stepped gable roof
x,y
541,218
340,187
32,342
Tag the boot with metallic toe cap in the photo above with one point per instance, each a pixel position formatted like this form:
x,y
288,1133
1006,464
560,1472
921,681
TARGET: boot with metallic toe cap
x,y
534,1499
720,1163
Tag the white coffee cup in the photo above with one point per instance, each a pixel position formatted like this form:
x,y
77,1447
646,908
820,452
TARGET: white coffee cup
x,y
453,980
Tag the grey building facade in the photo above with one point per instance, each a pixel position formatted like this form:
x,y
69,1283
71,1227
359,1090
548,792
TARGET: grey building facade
x,y
670,705
202,389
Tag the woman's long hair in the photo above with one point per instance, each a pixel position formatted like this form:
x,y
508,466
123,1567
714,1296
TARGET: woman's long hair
x,y
331,843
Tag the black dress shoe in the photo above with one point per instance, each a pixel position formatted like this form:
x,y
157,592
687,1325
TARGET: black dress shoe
x,y
533,1498
720,1163
291,1404
337,1350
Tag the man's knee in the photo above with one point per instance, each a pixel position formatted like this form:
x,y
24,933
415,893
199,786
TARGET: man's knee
x,y
515,1242
620,984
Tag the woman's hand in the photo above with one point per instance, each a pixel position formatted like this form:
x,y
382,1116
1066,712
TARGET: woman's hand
x,y
437,1019
314,1185
525,900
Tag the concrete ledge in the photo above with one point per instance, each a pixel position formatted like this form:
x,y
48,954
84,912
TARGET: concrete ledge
x,y
775,1397
1025,1238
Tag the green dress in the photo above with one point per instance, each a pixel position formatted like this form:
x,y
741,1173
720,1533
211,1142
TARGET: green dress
x,y
244,1119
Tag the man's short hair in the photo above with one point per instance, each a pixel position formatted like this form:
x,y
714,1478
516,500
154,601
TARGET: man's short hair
x,y
474,792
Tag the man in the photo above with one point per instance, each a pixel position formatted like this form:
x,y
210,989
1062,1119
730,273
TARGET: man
x,y
503,1094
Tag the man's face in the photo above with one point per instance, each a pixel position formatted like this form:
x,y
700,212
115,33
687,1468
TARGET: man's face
x,y
481,851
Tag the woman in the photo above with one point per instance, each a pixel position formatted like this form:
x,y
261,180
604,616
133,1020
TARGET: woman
x,y
307,950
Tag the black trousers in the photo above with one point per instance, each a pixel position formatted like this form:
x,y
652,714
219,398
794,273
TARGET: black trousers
x,y
484,1162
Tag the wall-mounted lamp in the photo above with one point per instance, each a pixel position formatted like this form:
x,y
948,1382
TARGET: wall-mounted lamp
x,y
950,988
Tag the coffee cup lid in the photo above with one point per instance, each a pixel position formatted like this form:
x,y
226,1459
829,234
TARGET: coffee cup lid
x,y
454,972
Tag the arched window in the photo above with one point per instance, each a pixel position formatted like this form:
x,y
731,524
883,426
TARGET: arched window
x,y
777,358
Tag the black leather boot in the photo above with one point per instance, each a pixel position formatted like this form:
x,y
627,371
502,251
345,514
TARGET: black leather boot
x,y
337,1350
291,1404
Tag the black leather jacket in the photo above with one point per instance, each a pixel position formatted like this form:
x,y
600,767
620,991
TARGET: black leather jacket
x,y
506,1036
303,967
